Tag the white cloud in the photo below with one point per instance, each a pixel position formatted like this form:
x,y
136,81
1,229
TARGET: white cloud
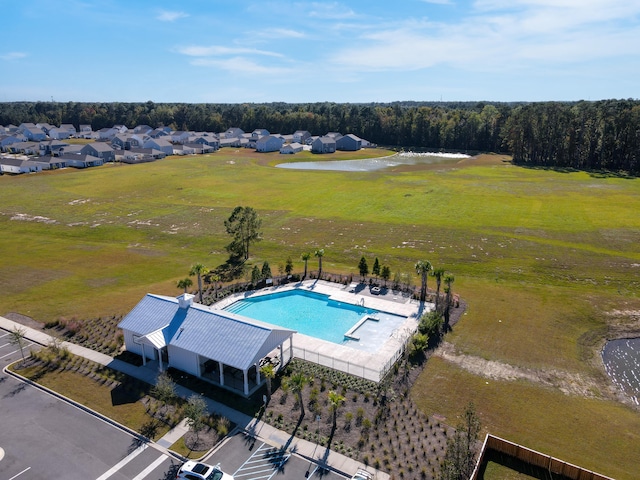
x,y
219,50
13,55
329,10
241,65
279,33
168,16
512,34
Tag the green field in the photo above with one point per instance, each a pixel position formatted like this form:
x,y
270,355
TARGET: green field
x,y
548,263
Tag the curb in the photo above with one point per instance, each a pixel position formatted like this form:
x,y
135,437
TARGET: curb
x,y
96,414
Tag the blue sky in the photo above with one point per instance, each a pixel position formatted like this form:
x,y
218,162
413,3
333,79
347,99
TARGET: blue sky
x,y
304,51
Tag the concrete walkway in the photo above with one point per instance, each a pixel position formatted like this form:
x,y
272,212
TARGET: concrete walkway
x,y
261,430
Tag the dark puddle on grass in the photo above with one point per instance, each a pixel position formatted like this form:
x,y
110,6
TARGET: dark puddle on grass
x,y
621,359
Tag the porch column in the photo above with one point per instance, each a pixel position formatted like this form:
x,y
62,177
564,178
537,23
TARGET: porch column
x,y
257,374
291,348
160,359
221,368
281,357
144,356
245,374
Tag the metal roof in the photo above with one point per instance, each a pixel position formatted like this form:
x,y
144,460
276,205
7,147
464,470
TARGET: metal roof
x,y
215,334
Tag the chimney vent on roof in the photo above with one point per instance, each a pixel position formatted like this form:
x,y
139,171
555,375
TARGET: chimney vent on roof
x,y
185,300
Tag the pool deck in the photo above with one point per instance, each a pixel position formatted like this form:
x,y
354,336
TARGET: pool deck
x,y
357,362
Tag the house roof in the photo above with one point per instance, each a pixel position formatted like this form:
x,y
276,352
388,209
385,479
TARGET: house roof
x,y
99,147
215,334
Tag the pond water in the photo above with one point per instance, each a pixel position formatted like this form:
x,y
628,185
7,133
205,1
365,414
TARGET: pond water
x,y
372,164
621,359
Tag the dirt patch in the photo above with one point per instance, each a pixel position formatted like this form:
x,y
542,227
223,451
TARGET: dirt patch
x,y
569,383
24,320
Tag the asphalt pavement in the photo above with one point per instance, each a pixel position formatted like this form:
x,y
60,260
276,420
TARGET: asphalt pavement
x,y
325,460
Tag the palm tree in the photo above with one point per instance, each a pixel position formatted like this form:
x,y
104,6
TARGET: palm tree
x,y
423,267
448,280
438,274
215,278
319,253
335,401
297,381
305,256
269,373
16,337
198,269
385,274
184,283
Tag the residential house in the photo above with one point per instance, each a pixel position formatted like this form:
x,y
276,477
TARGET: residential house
x,y
107,133
138,140
57,133
34,134
230,142
85,132
7,140
301,136
70,128
188,149
52,147
180,137
45,127
269,143
102,150
200,148
290,148
81,160
218,346
159,144
232,132
71,149
209,140
122,141
349,142
143,129
158,133
16,166
27,148
152,153
133,156
334,135
50,163
25,126
259,132
323,145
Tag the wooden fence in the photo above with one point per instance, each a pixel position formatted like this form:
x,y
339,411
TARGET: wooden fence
x,y
535,459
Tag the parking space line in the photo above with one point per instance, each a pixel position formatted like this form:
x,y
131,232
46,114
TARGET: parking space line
x,y
16,476
16,351
6,334
263,463
123,462
150,468
10,353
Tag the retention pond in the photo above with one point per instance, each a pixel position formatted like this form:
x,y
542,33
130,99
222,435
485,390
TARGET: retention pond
x,y
621,359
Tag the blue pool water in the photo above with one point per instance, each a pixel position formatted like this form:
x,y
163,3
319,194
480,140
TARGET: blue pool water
x,y
317,316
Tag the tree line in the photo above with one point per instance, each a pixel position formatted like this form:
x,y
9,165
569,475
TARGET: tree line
x,y
581,135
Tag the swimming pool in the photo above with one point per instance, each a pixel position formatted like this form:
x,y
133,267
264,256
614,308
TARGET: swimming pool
x,y
317,315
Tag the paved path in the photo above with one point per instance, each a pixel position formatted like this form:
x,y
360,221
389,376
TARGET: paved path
x,y
261,430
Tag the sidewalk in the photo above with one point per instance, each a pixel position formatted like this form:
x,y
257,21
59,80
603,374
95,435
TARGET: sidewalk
x,y
261,430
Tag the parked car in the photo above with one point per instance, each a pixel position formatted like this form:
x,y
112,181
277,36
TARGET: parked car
x,y
362,475
191,470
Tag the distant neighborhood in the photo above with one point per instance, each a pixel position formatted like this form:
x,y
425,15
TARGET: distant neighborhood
x,y
30,147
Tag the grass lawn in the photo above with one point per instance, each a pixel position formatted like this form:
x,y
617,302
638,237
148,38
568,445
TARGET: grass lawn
x,y
542,258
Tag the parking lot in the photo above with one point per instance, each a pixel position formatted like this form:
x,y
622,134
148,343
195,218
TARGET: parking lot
x,y
44,437
252,459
